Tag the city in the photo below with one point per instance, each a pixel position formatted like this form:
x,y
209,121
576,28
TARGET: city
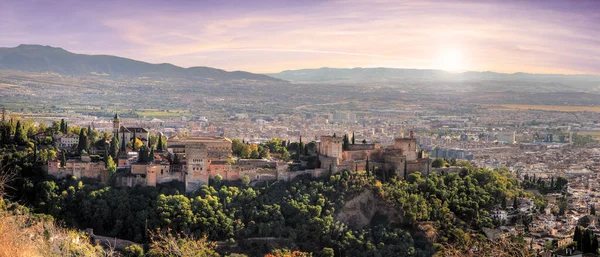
x,y
299,128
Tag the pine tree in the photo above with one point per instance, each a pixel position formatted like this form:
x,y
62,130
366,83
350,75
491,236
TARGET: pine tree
x,y
353,138
20,135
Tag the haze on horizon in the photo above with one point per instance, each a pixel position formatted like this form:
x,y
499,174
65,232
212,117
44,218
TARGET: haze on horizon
x,y
271,36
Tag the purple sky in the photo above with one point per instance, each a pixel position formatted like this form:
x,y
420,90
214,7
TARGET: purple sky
x,y
270,36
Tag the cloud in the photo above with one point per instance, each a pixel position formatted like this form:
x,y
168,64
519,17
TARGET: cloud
x,y
270,36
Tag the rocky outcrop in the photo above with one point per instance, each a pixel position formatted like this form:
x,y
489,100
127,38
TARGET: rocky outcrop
x,y
367,208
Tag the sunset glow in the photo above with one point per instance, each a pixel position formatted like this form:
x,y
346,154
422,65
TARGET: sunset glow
x,y
271,36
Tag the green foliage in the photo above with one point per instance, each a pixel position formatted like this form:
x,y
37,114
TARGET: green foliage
x,y
583,140
438,163
134,251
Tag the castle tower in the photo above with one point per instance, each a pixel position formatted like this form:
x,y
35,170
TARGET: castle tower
x,y
116,125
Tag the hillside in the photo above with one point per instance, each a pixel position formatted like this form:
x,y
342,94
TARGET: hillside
x,y
37,58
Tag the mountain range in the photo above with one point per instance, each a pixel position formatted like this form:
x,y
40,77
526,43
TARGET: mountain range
x,y
364,75
38,58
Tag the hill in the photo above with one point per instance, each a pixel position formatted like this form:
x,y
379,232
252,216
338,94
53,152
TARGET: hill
x,y
393,75
37,58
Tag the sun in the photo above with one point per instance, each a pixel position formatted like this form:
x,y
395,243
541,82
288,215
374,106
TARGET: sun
x,y
450,59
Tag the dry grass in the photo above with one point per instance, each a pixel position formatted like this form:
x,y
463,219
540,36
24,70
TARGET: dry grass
x,y
28,235
558,108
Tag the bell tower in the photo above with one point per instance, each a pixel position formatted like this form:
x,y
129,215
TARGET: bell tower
x,y
116,125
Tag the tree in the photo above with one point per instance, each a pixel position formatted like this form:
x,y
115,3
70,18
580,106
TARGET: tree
x,y
516,203
503,203
438,163
63,160
151,155
353,142
327,252
20,135
62,126
82,145
159,143
285,155
111,167
134,145
114,147
345,142
593,210
134,250
367,167
245,180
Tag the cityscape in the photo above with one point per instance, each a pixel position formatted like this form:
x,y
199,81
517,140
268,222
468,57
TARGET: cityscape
x,y
476,138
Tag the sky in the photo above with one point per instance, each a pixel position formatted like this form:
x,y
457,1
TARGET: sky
x,y
271,36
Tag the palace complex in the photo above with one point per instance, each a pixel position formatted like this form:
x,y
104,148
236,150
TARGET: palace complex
x,y
195,160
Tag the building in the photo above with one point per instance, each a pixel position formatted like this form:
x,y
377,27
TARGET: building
x,y
84,167
67,140
507,137
402,157
126,134
195,160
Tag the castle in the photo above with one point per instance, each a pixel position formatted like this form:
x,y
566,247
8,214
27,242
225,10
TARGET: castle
x,y
402,157
195,160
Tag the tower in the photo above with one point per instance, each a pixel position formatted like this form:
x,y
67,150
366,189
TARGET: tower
x,y
116,125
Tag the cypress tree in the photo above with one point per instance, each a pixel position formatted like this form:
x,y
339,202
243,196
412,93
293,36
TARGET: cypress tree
x,y
353,142
367,167
63,161
159,145
151,155
62,125
133,142
114,147
34,153
577,237
66,128
123,143
79,142
20,135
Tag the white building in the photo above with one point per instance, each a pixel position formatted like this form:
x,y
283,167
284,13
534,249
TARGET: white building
x,y
67,141
507,137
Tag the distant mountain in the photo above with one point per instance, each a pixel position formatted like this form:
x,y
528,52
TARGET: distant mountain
x,y
362,75
37,58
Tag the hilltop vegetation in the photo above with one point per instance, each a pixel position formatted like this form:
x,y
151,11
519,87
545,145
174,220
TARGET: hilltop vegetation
x,y
436,213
